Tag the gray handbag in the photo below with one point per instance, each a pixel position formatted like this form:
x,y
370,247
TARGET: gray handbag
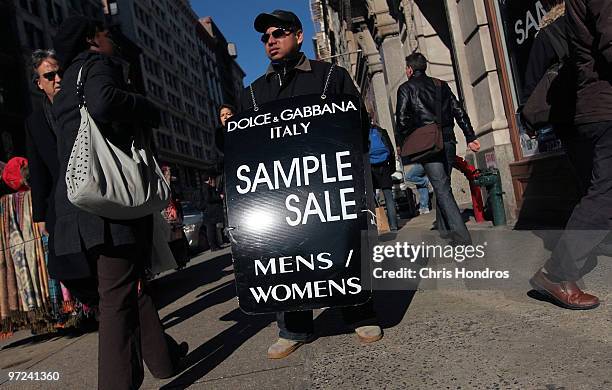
x,y
105,181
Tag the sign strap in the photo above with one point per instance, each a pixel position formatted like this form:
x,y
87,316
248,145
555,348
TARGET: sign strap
x,y
255,106
331,69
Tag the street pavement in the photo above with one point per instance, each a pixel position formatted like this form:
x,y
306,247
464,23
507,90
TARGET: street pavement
x,y
434,339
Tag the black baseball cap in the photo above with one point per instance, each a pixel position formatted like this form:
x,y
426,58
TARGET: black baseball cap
x,y
277,18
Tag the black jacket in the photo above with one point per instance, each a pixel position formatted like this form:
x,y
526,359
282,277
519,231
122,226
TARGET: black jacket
x,y
41,151
590,40
212,204
549,48
302,77
417,107
44,173
119,114
220,138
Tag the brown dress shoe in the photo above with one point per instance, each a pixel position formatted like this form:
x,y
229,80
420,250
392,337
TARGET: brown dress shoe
x,y
565,294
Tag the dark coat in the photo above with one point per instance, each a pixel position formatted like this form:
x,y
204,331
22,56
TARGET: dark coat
x,y
417,107
220,138
41,147
381,173
44,173
549,48
212,204
302,77
119,114
590,40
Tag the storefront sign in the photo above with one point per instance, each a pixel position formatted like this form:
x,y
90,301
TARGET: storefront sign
x,y
296,197
521,21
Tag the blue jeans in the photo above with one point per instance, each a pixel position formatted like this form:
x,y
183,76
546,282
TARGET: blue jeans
x,y
417,175
391,210
450,222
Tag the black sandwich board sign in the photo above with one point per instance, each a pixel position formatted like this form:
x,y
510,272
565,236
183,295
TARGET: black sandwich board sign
x,y
297,203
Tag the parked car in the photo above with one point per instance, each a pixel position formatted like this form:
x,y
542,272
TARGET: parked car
x,y
193,219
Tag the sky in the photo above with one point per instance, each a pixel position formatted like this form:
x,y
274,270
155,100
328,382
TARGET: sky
x,y
235,20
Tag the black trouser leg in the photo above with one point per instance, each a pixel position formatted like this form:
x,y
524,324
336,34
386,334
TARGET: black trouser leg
x,y
126,322
590,221
211,235
156,350
362,315
295,325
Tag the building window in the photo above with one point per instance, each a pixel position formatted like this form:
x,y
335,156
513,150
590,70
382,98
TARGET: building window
x,y
198,152
155,89
165,141
183,147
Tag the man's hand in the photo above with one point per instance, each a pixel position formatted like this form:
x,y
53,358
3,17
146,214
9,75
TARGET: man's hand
x,y
474,146
399,150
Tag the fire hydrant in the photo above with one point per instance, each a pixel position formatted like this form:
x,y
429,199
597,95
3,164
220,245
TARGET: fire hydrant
x,y
491,180
471,173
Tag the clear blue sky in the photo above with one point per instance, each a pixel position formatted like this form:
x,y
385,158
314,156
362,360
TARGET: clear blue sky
x,y
235,19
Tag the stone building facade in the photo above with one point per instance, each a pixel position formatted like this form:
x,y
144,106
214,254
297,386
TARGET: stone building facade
x,y
471,45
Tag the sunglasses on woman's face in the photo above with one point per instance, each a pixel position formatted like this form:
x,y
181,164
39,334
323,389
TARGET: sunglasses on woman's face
x,y
278,33
51,75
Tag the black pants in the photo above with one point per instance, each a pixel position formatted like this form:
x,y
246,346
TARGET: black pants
x,y
211,235
130,330
590,151
299,325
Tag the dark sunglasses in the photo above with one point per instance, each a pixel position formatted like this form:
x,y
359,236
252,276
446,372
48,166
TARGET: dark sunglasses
x,y
278,33
51,75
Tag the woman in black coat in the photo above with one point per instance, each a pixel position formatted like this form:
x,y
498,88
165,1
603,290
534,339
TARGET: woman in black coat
x,y
118,250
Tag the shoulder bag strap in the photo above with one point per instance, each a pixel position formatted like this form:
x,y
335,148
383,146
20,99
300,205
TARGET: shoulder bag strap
x,y
80,86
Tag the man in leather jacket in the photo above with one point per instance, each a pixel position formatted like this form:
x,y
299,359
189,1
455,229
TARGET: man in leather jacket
x,y
417,107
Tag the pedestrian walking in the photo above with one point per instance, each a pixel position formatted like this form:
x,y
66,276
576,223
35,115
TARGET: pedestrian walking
x,y
417,175
291,74
418,106
130,330
212,206
590,49
41,144
382,161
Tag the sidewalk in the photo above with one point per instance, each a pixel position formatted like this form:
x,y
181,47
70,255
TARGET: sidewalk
x,y
433,339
